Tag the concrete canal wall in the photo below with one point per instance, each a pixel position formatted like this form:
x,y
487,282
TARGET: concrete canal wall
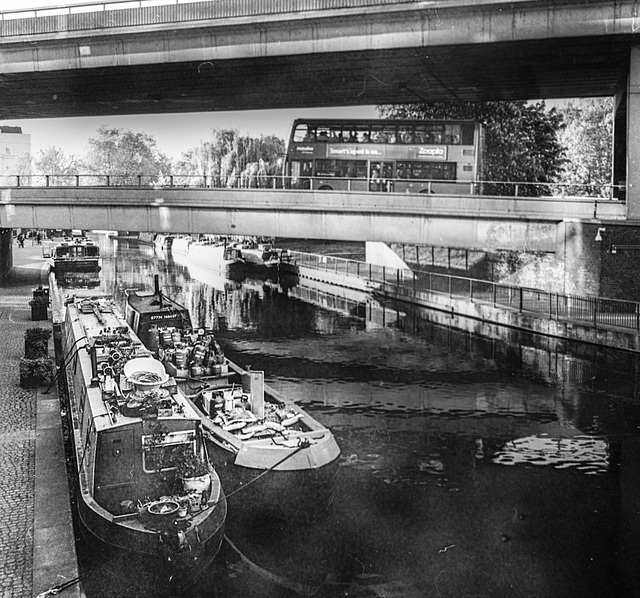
x,y
472,316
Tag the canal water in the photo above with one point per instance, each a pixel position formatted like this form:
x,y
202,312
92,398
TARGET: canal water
x,y
471,466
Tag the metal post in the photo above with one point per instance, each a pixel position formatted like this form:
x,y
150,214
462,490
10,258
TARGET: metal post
x,y
46,178
77,180
139,180
521,299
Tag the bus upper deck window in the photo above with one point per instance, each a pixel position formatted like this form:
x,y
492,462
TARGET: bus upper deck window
x,y
322,134
336,135
389,134
406,134
377,134
300,133
452,135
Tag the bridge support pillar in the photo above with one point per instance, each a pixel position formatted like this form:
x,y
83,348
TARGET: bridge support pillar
x,y
6,251
633,136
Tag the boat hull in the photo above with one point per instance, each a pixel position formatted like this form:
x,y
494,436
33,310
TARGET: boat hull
x,y
147,541
300,487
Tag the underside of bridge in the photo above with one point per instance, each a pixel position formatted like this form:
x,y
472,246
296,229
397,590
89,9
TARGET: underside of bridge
x,y
536,69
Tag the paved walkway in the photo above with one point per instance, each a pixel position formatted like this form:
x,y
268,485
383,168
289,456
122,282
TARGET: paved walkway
x,y
37,547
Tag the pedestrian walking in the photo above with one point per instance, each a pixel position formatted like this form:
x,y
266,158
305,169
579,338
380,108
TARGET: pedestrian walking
x,y
20,240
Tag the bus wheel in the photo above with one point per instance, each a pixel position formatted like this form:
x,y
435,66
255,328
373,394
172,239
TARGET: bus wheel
x,y
325,188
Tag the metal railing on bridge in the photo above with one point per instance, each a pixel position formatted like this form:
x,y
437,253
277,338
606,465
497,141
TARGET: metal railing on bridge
x,y
588,310
278,181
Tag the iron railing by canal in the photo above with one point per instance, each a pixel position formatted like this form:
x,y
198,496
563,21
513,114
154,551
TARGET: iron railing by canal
x,y
402,283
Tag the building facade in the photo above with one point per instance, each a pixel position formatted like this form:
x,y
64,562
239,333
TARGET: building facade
x,y
15,148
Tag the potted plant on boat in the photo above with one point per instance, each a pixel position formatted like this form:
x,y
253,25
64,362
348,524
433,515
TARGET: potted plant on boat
x,y
192,469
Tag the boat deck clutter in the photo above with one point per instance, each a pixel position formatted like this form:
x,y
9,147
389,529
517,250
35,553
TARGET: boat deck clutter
x,y
138,443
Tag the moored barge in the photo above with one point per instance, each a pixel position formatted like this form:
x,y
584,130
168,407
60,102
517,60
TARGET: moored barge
x,y
135,439
284,460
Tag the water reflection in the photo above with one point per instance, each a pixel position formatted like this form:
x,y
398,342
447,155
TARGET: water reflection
x,y
426,416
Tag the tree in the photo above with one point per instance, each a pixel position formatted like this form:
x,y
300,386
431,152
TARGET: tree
x,y
588,139
228,157
56,164
125,155
521,141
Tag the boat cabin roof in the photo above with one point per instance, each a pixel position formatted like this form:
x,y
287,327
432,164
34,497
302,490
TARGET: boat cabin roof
x,y
149,302
98,317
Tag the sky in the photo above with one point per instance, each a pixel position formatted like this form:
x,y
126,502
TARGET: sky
x,y
174,133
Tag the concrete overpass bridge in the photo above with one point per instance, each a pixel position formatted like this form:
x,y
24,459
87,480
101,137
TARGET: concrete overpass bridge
x,y
472,222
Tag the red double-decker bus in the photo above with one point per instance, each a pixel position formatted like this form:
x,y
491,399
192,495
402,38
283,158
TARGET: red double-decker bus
x,y
402,156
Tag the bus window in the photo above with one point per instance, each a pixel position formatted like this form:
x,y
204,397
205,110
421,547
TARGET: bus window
x,y
467,131
452,135
300,173
377,134
322,133
405,133
403,170
434,133
449,171
353,169
327,168
301,133
420,134
363,134
389,132
336,135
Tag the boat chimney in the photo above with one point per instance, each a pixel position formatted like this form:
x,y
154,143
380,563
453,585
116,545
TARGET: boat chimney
x,y
158,293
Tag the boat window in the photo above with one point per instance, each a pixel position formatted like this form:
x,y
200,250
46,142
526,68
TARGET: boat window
x,y
159,453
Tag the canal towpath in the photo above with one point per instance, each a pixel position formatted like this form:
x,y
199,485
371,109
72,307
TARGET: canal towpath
x,y
37,544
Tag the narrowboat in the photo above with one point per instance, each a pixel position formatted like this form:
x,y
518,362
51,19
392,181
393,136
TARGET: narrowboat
x,y
77,254
260,255
260,441
136,441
